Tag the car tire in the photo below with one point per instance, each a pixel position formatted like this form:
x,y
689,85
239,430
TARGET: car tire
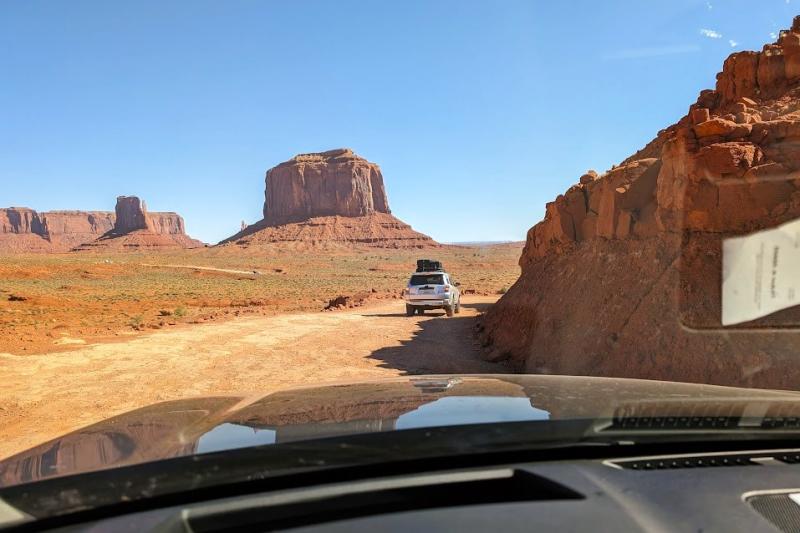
x,y
449,310
458,306
410,310
420,311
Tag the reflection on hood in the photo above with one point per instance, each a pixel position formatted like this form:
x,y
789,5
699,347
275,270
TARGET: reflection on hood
x,y
202,425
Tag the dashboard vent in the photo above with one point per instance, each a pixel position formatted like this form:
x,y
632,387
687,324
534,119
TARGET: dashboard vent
x,y
780,509
684,415
714,460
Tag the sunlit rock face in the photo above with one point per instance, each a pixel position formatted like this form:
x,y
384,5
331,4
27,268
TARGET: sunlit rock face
x,y
623,275
23,230
136,229
336,182
328,198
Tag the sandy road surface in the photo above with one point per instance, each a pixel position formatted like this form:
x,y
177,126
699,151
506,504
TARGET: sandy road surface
x,y
44,396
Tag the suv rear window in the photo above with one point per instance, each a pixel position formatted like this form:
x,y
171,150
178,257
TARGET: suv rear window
x,y
427,279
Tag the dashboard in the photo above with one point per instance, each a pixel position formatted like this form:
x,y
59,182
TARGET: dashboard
x,y
725,491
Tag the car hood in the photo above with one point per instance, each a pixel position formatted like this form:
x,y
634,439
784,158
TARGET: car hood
x,y
210,424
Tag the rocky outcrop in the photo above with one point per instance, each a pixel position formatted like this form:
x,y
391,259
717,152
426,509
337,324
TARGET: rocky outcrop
x,y
376,230
136,229
622,277
329,198
131,215
23,230
332,183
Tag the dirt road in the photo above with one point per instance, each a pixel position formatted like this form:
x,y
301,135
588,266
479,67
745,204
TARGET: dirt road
x,y
44,396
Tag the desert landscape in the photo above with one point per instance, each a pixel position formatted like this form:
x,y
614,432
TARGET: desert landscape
x,y
103,312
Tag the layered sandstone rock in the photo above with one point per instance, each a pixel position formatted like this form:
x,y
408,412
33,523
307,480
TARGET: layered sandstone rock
x,y
136,229
333,197
332,183
131,215
622,277
23,230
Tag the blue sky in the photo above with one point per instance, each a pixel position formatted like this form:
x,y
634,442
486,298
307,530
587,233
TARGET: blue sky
x,y
477,112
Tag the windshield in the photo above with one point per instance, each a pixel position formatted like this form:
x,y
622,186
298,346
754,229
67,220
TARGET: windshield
x,y
209,206
426,279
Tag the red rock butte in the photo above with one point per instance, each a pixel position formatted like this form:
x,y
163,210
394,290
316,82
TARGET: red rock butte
x,y
623,275
333,197
136,229
130,227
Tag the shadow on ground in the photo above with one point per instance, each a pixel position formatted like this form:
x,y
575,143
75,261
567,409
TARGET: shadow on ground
x,y
440,346
479,307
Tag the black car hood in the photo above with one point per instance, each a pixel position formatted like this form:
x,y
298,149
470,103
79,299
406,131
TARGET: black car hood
x,y
201,425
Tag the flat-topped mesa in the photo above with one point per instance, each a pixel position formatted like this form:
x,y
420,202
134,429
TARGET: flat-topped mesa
x,y
24,230
642,244
130,226
18,220
328,198
332,183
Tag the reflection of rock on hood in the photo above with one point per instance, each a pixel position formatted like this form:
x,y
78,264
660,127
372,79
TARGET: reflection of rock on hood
x,y
179,428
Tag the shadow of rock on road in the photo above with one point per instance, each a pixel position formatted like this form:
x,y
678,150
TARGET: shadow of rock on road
x,y
440,346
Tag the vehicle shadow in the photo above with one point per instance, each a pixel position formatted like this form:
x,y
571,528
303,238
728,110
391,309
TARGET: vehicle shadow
x,y
440,346
480,307
403,314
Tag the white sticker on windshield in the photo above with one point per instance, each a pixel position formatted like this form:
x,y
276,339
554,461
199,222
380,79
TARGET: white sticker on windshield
x,y
760,273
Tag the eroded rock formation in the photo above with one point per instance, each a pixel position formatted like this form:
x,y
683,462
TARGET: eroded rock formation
x,y
136,229
24,230
332,183
333,197
622,277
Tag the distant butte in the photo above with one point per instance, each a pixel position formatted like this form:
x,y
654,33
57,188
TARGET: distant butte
x,y
328,197
24,230
136,229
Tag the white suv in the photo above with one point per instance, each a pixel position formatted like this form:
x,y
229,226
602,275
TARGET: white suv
x,y
432,290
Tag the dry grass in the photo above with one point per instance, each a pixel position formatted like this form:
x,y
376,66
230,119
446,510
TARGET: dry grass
x,y
68,299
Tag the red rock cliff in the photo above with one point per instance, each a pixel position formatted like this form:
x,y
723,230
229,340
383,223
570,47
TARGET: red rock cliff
x,y
131,215
336,182
24,230
137,229
333,197
622,277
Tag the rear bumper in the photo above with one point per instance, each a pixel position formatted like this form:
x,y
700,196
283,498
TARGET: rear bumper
x,y
428,303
